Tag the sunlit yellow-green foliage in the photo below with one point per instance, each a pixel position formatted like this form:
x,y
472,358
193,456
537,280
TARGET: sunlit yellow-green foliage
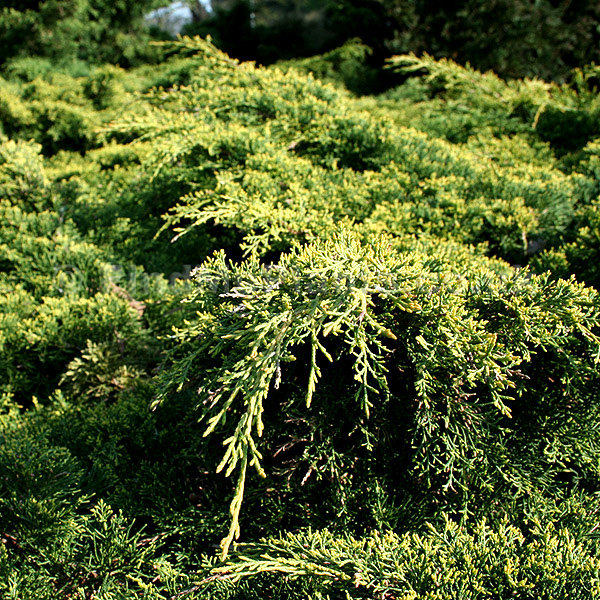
x,y
434,565
368,330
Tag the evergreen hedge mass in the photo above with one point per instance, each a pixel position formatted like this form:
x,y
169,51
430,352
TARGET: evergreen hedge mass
x,y
367,329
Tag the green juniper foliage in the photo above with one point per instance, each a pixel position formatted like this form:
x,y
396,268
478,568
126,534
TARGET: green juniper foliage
x,y
369,330
439,564
453,354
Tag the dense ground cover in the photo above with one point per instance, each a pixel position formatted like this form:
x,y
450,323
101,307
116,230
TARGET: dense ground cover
x,y
359,335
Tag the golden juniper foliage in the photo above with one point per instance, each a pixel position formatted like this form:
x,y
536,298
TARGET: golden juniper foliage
x,y
437,564
385,363
470,344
